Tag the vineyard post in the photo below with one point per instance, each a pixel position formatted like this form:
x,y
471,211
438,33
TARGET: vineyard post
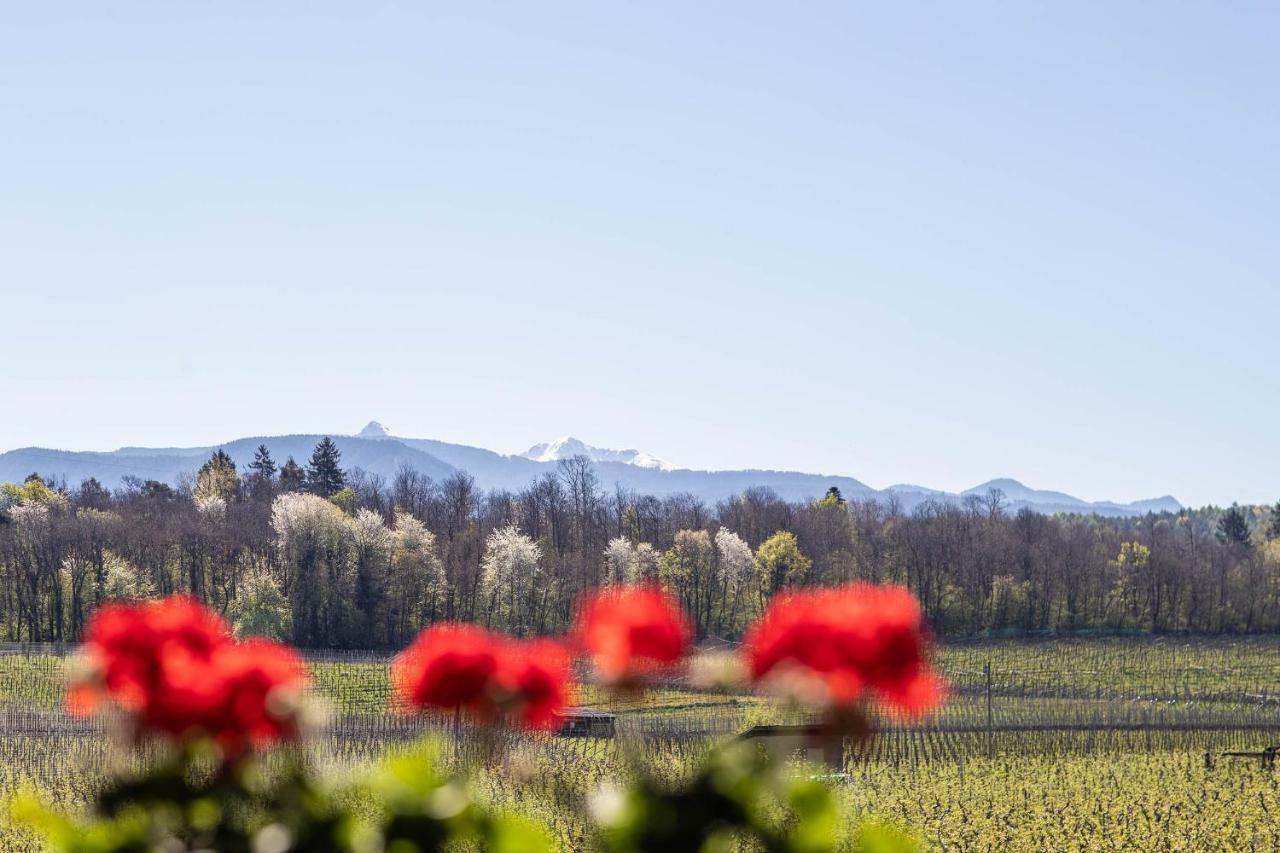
x,y
991,751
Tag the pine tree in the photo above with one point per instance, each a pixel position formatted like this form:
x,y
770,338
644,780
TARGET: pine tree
x,y
292,477
833,498
1273,531
262,477
324,474
221,459
263,465
1233,527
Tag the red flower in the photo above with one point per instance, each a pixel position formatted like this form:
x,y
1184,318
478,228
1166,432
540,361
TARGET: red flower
x,y
854,639
489,675
175,666
262,682
137,649
631,630
447,666
533,682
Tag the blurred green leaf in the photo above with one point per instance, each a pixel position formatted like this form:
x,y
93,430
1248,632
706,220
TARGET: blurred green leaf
x,y
882,838
817,817
514,834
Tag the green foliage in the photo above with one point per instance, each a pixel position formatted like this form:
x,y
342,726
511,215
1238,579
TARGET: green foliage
x,y
781,562
1233,527
260,608
832,500
346,500
884,838
1133,556
32,491
427,809
189,800
740,796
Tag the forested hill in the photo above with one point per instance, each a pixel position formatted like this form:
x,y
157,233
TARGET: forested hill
x,y
377,453
328,555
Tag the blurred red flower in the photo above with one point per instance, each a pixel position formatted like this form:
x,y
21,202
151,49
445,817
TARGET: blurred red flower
x,y
449,665
533,682
629,631
175,666
263,683
135,650
855,639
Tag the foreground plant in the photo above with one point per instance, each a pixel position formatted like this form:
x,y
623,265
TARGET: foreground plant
x,y
740,799
213,712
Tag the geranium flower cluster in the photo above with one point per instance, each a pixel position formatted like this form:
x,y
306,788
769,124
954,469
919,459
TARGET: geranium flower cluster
x,y
174,666
625,632
848,641
631,631
489,675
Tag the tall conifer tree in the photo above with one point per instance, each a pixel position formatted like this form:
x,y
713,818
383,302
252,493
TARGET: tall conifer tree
x,y
1233,527
263,465
324,473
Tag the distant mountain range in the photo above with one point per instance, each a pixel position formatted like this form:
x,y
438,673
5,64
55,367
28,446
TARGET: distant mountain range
x,y
377,451
568,447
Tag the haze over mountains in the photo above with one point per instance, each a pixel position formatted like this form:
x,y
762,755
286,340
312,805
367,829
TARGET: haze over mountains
x,y
375,450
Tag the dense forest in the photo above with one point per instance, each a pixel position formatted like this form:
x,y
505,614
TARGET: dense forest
x,y
326,557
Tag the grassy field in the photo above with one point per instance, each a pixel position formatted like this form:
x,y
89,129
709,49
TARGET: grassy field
x,y
1068,745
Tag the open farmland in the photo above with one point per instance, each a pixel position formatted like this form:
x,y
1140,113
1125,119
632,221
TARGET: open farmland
x,y
1092,744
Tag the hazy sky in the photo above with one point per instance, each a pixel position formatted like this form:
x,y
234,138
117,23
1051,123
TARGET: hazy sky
x,y
929,243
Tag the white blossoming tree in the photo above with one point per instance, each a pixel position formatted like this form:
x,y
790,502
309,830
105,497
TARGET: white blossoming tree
x,y
316,545
629,563
739,602
417,580
512,584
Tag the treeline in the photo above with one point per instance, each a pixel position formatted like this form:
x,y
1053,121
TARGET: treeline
x,y
324,557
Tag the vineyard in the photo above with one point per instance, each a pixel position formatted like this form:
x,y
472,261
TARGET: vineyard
x,y
1092,744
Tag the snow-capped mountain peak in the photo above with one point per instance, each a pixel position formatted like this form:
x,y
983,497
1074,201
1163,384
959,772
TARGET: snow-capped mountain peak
x,y
568,446
373,429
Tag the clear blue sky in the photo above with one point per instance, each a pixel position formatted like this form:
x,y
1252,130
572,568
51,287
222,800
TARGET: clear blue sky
x,y
929,243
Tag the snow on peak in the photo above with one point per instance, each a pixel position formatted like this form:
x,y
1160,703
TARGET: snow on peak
x,y
568,446
373,429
